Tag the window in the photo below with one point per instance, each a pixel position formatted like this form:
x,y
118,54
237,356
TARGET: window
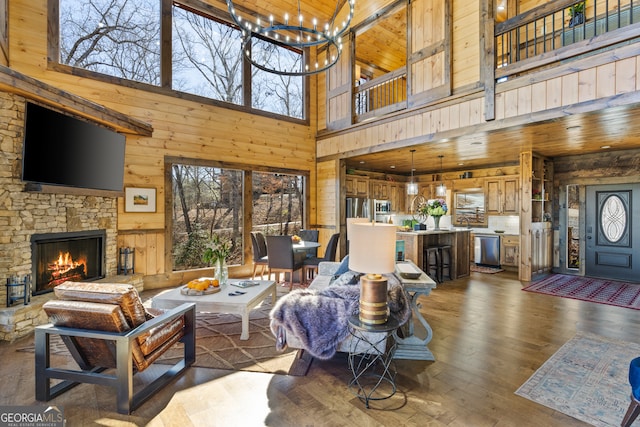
x,y
273,92
208,200
207,60
122,38
277,203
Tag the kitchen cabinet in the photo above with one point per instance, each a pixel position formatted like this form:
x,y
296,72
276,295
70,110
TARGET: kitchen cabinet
x,y
502,195
357,186
379,189
509,251
397,196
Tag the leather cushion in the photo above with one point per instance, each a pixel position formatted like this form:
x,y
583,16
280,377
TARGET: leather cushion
x,y
123,295
86,315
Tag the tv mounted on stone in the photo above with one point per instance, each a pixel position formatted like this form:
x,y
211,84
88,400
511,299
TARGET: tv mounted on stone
x,y
66,151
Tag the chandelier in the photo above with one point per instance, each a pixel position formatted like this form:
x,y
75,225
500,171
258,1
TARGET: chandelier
x,y
296,34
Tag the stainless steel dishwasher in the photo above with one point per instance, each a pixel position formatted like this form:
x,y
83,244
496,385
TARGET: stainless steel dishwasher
x,y
486,250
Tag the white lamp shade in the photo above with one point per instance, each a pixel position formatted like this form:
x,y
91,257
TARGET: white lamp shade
x,y
412,188
351,221
372,248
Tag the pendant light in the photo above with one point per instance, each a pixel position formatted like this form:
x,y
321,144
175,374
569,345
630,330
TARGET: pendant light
x,y
412,187
441,190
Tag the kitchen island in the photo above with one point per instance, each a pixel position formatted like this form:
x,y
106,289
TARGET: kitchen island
x,y
458,238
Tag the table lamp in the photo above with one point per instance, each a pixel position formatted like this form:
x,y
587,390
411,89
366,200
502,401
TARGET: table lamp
x,y
372,252
350,222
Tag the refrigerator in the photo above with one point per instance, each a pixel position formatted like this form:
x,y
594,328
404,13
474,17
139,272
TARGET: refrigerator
x,y
358,207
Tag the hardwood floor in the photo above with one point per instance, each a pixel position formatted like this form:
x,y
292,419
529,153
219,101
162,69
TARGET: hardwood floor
x,y
489,338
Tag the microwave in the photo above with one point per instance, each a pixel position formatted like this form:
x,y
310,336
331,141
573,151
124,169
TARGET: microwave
x,y
382,206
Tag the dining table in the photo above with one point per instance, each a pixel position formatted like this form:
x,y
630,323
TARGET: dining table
x,y
304,245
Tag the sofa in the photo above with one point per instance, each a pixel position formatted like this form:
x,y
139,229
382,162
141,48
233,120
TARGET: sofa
x,y
334,294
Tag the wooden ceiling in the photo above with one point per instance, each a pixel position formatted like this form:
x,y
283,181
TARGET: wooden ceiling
x,y
383,46
618,128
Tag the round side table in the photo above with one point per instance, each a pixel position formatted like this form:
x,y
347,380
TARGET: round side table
x,y
371,359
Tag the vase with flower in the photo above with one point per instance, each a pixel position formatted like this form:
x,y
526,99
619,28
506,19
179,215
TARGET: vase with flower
x,y
537,195
216,253
435,208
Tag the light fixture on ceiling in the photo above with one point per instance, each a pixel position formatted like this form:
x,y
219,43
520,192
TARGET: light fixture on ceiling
x,y
441,190
295,35
412,187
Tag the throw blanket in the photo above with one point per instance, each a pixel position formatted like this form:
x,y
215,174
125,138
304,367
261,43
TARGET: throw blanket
x,y
320,319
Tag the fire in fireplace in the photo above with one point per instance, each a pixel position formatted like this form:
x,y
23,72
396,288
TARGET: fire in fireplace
x,y
58,257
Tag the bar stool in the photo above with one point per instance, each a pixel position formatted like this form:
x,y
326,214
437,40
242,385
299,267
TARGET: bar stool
x,y
431,262
445,261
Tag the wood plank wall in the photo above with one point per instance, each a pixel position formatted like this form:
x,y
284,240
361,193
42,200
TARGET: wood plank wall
x,y
182,128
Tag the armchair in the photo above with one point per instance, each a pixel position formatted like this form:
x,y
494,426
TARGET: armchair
x,y
106,327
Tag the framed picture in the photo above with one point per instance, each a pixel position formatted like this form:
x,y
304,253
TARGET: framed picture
x,y
139,199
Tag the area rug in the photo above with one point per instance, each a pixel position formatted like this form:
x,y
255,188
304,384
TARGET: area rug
x,y
485,269
218,345
587,378
620,294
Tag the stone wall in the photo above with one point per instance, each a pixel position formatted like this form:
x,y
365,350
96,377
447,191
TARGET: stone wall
x,y
23,214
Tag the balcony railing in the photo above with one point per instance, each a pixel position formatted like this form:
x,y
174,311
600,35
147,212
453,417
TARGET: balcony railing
x,y
551,27
382,95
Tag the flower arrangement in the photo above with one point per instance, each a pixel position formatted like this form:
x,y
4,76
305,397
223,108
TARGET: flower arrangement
x,y
218,250
433,207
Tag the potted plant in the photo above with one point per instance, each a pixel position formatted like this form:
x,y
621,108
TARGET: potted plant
x,y
576,12
435,208
217,253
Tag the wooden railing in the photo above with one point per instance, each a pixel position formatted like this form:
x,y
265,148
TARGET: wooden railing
x,y
382,95
542,35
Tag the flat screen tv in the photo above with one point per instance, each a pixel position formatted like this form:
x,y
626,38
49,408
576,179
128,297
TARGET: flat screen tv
x,y
66,151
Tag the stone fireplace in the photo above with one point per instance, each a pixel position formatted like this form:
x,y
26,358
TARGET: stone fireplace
x,y
58,257
27,215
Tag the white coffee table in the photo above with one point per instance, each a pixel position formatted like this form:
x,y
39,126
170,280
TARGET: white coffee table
x,y
222,302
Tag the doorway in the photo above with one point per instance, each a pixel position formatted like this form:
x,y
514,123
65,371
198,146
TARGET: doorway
x,y
611,233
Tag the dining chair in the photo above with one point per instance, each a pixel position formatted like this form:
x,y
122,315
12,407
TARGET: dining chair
x,y
260,257
311,264
281,257
309,236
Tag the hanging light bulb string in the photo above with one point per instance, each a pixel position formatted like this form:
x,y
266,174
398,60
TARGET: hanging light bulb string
x,y
304,37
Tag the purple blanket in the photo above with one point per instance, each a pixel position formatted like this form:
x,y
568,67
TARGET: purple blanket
x,y
320,319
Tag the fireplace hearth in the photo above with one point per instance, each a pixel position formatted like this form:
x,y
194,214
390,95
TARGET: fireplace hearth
x,y
58,257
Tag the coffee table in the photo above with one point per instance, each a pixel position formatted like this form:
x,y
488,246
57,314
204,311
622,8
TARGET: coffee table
x,y
222,302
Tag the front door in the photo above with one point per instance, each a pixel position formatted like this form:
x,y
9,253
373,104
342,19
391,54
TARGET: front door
x,y
613,237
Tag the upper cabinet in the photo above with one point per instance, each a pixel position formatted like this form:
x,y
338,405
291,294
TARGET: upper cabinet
x,y
379,189
502,194
357,186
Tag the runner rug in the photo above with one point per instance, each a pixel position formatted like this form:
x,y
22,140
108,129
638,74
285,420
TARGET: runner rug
x,y
587,378
620,294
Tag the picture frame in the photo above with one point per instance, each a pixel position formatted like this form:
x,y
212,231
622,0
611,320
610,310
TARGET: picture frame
x,y
139,199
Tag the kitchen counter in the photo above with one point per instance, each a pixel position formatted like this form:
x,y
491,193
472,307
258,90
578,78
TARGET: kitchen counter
x,y
458,238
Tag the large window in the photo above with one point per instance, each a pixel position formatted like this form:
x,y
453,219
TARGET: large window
x,y
208,201
118,38
122,38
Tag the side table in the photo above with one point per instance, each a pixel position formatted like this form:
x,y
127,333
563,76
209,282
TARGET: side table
x,y
371,361
410,346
